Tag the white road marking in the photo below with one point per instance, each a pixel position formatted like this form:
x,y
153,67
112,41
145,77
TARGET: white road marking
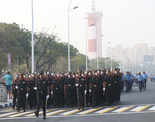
x,y
140,108
54,112
7,114
90,110
152,108
21,114
70,112
106,110
83,115
123,109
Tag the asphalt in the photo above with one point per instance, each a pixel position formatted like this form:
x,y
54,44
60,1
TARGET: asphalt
x,y
145,98
139,117
136,97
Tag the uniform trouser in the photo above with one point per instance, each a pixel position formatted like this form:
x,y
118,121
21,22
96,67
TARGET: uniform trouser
x,y
128,85
41,103
32,100
118,93
89,98
94,97
14,99
145,83
68,97
80,97
140,86
108,94
21,98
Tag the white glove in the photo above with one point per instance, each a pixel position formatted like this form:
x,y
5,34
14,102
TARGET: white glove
x,y
89,90
103,89
52,92
76,84
27,95
85,92
35,88
47,97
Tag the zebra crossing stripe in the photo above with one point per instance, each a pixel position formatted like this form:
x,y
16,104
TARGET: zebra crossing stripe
x,y
106,110
32,114
40,112
55,112
89,111
152,108
70,112
21,114
7,114
140,108
123,109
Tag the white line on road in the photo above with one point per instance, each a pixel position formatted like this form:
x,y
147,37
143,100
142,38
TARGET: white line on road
x,y
152,108
83,115
7,114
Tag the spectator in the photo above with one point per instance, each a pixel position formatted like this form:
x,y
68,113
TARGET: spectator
x,y
8,82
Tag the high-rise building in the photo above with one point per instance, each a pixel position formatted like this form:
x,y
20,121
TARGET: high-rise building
x,y
94,33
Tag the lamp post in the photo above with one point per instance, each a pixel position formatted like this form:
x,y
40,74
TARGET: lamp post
x,y
109,47
68,31
32,37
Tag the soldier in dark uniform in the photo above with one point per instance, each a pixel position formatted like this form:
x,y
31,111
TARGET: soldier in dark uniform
x,y
94,89
21,93
51,90
15,90
68,90
90,85
118,79
42,92
103,77
108,89
74,97
32,91
80,86
57,91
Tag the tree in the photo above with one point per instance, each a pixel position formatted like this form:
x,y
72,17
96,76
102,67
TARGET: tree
x,y
49,53
78,62
104,63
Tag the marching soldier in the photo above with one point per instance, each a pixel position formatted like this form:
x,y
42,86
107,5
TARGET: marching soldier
x,y
15,91
108,89
80,86
80,89
41,87
21,93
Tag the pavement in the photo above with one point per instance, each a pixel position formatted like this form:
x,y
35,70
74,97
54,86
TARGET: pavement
x,y
135,107
6,104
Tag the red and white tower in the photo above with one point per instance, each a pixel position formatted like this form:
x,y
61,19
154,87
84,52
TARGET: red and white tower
x,y
94,33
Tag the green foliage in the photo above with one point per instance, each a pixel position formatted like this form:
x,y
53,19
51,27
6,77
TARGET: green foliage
x,y
104,63
48,52
78,62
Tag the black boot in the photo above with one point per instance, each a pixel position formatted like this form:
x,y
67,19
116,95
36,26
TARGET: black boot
x,y
44,117
36,114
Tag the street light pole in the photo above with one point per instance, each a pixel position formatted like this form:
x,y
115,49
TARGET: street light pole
x,y
32,37
68,23
109,46
86,55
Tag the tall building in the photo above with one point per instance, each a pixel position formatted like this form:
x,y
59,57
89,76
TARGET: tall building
x,y
94,33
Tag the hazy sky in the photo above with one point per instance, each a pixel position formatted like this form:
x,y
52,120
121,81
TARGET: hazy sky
x,y
124,21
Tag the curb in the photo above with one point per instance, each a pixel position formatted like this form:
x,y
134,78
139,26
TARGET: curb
x,y
5,105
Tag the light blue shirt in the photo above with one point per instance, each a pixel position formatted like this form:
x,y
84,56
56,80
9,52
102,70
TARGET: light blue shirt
x,y
140,78
8,79
145,76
